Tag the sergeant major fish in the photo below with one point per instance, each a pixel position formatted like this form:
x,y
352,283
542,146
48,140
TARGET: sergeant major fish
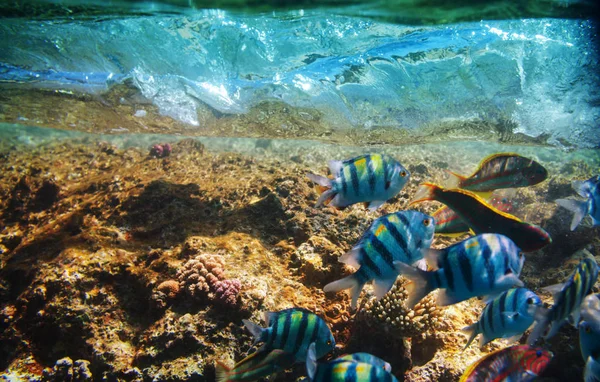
x,y
341,370
506,316
516,363
483,218
590,189
589,336
504,170
398,236
372,179
567,300
366,358
481,265
292,330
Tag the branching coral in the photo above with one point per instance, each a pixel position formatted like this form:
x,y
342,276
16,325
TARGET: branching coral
x,y
203,277
392,313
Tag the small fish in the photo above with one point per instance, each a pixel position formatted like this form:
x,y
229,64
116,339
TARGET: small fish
x,y
400,236
592,370
505,170
292,330
366,358
483,218
481,265
257,365
371,179
589,327
590,190
516,363
340,370
567,300
506,316
447,222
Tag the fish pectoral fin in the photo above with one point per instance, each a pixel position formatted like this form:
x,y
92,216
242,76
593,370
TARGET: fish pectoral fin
x,y
554,289
510,316
352,257
374,205
382,286
434,257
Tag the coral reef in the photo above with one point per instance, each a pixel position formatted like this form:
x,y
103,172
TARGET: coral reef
x,y
203,277
392,314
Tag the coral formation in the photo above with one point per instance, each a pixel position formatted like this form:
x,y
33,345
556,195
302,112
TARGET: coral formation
x,y
392,313
203,277
161,150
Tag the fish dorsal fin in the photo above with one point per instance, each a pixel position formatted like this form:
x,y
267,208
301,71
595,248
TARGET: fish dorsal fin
x,y
268,317
311,361
554,289
335,166
434,257
352,257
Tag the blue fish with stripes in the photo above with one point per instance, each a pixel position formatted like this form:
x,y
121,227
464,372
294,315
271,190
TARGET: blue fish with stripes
x,y
568,297
590,190
506,316
400,236
343,370
293,330
366,358
589,327
371,179
486,264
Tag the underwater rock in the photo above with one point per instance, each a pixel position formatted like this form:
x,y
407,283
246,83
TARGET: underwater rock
x,y
314,260
65,370
46,195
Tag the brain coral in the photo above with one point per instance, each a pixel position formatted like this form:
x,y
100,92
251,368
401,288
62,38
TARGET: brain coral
x,y
203,277
392,313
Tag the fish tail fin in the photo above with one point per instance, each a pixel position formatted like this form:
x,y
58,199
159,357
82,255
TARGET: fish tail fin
x,y
222,372
579,208
420,286
255,330
426,191
455,179
472,332
349,282
324,187
543,320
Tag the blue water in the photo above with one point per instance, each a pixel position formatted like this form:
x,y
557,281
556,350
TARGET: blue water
x,y
363,72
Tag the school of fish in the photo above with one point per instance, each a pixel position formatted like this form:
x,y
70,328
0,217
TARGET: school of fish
x,y
487,265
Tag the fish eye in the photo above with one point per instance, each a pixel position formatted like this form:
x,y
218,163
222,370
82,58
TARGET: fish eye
x,y
426,222
538,353
530,300
403,174
328,342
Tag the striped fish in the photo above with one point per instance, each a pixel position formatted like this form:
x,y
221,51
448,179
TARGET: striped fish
x,y
292,330
481,265
589,327
366,358
590,190
257,365
516,363
400,236
505,170
483,218
371,179
447,222
340,370
567,300
506,316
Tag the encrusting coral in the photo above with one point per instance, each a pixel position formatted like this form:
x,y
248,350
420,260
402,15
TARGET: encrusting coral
x,y
203,277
